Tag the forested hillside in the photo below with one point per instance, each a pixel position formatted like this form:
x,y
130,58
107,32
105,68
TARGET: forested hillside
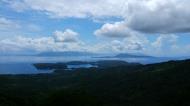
x,y
162,84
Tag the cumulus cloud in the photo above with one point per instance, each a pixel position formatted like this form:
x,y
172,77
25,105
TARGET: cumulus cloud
x,y
123,46
129,44
137,43
122,39
60,42
118,29
150,16
115,30
67,36
159,16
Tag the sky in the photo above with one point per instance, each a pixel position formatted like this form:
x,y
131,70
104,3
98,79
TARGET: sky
x,y
153,27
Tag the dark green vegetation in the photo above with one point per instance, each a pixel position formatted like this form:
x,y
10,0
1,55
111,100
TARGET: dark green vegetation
x,y
163,84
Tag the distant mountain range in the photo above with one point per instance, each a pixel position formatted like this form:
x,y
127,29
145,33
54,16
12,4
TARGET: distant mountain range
x,y
128,55
96,55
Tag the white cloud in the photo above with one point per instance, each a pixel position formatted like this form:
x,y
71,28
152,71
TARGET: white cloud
x,y
159,16
25,43
10,27
139,16
122,38
67,36
6,24
149,16
164,41
72,8
21,43
134,43
115,30
123,46
164,45
19,6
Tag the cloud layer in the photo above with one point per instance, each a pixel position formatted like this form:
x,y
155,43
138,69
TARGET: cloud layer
x,y
60,41
6,24
71,8
137,19
148,16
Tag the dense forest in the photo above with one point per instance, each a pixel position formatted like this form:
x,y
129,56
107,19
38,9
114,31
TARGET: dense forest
x,y
161,84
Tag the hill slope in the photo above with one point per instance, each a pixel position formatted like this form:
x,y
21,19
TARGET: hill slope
x,y
163,84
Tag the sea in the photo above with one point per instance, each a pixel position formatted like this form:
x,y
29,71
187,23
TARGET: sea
x,y
24,64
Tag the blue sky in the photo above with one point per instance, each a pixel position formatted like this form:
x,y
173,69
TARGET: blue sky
x,y
153,27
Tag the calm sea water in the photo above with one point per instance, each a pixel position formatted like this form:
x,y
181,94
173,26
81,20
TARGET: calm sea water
x,y
81,66
23,64
20,68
